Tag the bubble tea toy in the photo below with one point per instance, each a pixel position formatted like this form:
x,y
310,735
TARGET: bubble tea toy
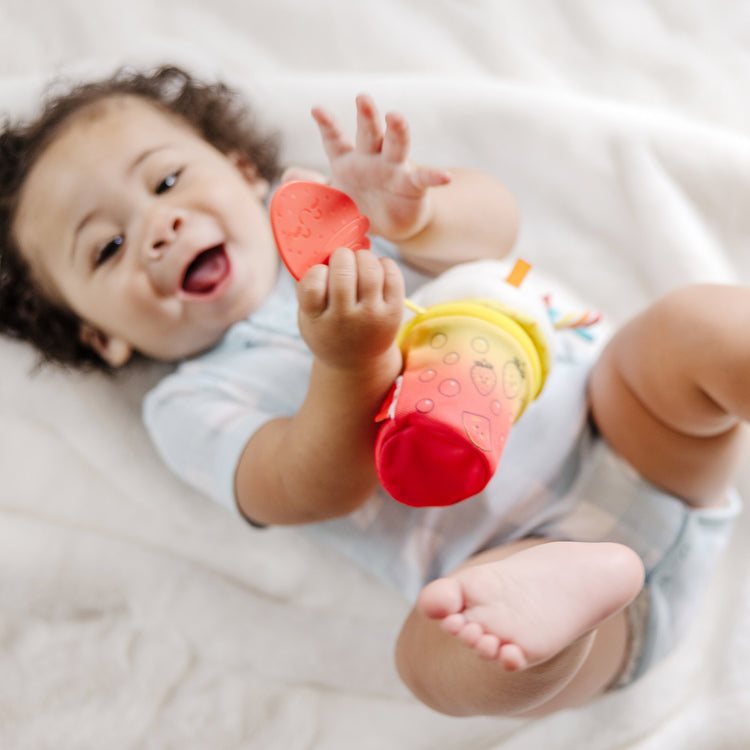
x,y
471,367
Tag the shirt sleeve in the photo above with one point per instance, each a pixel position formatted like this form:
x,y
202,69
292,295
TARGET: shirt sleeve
x,y
201,417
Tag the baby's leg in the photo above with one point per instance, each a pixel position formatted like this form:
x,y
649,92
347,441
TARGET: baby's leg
x,y
526,628
672,389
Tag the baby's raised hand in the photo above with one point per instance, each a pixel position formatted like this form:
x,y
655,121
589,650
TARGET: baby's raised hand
x,y
351,309
376,172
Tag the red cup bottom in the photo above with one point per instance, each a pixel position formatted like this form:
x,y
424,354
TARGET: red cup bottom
x,y
421,462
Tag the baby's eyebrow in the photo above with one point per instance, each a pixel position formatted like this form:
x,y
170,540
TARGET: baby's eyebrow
x,y
143,156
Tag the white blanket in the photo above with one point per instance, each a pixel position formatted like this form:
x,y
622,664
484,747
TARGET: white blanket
x,y
134,613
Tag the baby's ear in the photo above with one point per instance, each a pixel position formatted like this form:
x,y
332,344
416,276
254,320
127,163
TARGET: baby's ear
x,y
112,349
250,172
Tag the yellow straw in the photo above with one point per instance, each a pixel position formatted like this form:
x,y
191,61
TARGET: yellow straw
x,y
413,306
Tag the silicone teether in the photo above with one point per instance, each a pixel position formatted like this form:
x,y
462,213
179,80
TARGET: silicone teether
x,y
310,220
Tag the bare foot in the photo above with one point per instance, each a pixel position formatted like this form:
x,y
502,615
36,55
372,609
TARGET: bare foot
x,y
524,609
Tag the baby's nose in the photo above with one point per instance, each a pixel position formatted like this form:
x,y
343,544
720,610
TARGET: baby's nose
x,y
165,232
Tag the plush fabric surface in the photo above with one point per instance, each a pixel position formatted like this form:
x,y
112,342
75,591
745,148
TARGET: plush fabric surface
x,y
134,613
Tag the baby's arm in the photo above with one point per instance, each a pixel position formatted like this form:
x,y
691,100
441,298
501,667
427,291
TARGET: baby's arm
x,y
469,216
319,463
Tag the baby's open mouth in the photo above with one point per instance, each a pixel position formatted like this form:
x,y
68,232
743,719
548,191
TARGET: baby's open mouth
x,y
207,271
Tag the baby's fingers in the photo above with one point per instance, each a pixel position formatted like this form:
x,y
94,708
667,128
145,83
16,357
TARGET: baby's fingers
x,y
336,143
342,281
369,138
380,283
427,177
369,277
312,291
393,284
397,140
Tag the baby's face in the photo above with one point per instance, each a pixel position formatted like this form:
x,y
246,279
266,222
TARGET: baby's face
x,y
154,238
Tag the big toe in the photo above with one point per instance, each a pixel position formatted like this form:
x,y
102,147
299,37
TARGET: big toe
x,y
441,598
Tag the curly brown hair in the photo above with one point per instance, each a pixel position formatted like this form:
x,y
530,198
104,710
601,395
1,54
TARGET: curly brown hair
x,y
213,109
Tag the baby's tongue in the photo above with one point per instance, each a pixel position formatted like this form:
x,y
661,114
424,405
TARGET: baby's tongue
x,y
206,271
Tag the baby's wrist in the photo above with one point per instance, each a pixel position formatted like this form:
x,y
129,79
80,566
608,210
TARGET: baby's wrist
x,y
364,372
419,225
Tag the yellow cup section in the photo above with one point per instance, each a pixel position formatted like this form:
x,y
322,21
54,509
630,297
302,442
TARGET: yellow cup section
x,y
467,321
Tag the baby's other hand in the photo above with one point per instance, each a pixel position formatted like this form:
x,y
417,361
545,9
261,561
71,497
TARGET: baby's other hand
x,y
377,174
351,309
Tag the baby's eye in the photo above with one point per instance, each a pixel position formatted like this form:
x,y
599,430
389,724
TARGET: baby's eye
x,y
168,182
107,251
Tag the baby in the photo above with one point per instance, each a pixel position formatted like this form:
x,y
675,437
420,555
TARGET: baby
x,y
133,221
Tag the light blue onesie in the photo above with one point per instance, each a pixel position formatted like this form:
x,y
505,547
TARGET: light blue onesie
x,y
556,478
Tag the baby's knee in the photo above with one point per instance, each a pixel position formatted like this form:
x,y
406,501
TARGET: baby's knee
x,y
702,309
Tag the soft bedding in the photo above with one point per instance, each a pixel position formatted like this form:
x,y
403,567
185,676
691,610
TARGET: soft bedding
x,y
136,614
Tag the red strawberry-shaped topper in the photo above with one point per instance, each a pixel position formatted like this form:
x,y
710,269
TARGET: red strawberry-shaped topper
x,y
310,220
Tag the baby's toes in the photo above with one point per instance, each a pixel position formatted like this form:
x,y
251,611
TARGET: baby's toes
x,y
453,624
488,646
512,657
471,633
442,598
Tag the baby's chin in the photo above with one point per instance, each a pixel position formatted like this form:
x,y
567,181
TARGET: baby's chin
x,y
172,352
212,314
